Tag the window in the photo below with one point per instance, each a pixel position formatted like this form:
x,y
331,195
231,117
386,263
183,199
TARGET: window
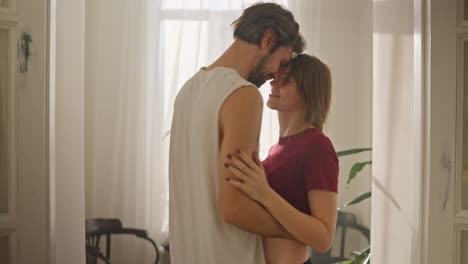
x,y
192,35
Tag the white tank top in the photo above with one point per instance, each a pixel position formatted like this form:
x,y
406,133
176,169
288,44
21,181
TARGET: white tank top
x,y
197,233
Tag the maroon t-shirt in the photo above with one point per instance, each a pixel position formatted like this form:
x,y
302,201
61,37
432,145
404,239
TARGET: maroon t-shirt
x,y
300,163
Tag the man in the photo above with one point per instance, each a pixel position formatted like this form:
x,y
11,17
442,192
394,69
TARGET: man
x,y
216,112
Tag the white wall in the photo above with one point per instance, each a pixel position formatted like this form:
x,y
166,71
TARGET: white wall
x,y
443,161
68,65
340,33
31,138
397,133
346,45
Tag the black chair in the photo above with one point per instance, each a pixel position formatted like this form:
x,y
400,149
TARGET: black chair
x,y
345,221
100,227
93,255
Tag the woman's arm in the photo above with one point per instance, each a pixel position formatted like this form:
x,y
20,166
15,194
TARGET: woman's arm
x,y
316,230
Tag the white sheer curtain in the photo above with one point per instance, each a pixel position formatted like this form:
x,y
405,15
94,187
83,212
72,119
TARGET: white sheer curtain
x,y
194,34
138,55
125,154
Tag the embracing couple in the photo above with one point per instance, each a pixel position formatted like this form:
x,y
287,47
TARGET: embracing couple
x,y
227,206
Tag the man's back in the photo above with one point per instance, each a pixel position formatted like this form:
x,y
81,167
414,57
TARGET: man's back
x,y
197,231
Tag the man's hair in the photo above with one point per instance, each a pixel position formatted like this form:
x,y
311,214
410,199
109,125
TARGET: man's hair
x,y
260,17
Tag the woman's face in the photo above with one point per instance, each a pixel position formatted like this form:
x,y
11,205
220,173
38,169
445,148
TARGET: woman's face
x,y
285,96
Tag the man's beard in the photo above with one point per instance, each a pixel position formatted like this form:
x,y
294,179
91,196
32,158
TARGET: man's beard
x,y
258,76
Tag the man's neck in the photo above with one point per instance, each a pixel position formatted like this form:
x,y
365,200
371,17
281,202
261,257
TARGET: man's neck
x,y
240,56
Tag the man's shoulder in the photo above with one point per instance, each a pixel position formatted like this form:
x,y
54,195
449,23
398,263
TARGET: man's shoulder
x,y
243,107
246,96
188,84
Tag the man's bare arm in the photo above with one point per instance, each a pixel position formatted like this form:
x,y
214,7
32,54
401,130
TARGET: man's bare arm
x,y
240,123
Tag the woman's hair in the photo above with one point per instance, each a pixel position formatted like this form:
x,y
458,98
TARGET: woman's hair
x,y
260,17
313,80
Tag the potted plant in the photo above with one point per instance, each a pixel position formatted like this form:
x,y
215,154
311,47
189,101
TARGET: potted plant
x,y
364,256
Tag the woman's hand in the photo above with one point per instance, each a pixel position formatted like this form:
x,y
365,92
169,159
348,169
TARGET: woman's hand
x,y
250,176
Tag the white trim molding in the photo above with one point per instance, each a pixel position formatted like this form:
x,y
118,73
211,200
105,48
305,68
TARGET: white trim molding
x,y
11,10
8,221
51,22
462,22
459,210
457,249
12,245
420,119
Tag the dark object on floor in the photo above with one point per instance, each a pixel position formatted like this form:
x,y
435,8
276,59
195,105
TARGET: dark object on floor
x,y
93,255
345,221
100,227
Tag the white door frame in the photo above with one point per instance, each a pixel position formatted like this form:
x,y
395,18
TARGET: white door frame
x,y
65,179
51,40
438,149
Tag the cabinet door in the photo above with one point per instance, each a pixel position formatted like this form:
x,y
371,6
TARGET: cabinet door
x,y
8,173
461,200
23,132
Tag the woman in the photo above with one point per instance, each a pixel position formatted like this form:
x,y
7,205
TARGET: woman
x,y
297,182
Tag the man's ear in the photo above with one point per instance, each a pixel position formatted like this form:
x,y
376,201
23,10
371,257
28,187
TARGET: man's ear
x,y
268,40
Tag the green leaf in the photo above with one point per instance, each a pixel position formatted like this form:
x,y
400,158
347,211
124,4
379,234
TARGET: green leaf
x,y
367,260
357,167
361,257
352,151
358,199
165,135
366,251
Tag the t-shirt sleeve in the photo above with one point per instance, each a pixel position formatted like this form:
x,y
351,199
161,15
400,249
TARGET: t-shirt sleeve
x,y
321,167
